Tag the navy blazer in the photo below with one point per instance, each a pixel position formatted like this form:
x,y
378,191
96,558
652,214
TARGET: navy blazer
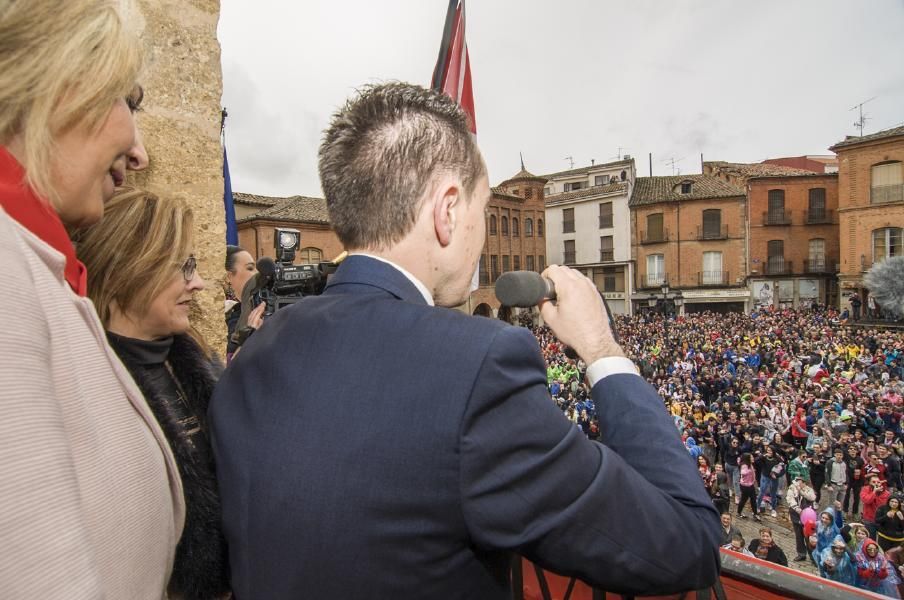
x,y
369,445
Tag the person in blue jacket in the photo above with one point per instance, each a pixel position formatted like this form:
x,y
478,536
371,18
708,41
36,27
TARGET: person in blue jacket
x,y
835,563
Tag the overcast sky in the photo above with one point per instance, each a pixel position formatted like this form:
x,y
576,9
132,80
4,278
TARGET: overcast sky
x,y
736,81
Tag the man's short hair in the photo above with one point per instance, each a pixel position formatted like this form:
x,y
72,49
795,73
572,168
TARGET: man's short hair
x,y
380,153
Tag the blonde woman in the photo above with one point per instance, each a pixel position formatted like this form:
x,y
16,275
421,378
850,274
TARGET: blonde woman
x,y
143,289
90,498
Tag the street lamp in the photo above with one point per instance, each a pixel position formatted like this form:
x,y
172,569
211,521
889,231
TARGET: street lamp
x,y
667,302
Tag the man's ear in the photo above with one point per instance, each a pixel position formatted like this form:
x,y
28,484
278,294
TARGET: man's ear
x,y
447,199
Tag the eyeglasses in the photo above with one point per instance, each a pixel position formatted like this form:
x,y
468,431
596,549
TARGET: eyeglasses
x,y
189,267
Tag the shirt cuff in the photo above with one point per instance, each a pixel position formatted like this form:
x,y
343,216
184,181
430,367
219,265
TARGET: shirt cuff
x,y
611,365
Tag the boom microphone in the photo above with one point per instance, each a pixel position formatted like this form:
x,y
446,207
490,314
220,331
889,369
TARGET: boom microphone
x,y
524,289
885,282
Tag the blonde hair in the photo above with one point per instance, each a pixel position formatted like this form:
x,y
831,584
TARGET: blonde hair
x,y
63,64
135,251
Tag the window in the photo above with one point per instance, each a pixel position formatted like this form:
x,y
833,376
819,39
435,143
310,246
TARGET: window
x,y
655,232
529,262
816,263
541,263
887,242
492,224
775,264
712,224
528,227
887,183
506,264
484,276
569,258
547,191
605,215
516,263
567,220
712,269
776,213
609,279
494,268
515,192
539,227
310,256
609,284
655,270
816,206
686,187
575,186
607,253
601,180
505,230
516,228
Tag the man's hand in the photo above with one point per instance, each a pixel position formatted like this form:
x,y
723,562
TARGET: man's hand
x,y
578,316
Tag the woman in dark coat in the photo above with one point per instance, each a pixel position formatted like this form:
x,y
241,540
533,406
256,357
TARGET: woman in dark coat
x,y
143,290
890,523
765,548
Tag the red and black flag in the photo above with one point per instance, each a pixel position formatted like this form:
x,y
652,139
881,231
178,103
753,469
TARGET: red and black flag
x,y
452,74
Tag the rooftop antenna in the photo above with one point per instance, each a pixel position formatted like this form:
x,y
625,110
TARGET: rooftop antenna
x,y
673,162
861,122
619,156
522,161
570,160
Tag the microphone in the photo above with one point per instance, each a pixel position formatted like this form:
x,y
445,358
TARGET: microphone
x,y
885,282
525,289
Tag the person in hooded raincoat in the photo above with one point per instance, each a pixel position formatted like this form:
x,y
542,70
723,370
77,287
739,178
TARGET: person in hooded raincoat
x,y
827,529
693,448
835,563
874,572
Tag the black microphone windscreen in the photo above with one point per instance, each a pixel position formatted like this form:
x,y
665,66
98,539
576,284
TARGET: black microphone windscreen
x,y
523,289
266,266
885,282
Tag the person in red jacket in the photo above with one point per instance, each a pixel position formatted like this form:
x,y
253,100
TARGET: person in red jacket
x,y
799,433
873,495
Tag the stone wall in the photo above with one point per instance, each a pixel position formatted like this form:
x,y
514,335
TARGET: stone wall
x,y
181,129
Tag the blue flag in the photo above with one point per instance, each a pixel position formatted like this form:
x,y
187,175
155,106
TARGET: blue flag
x,y
232,233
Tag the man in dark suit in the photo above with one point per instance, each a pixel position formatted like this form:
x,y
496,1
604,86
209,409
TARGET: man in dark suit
x,y
371,444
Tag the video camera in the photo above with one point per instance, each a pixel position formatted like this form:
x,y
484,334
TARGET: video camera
x,y
281,283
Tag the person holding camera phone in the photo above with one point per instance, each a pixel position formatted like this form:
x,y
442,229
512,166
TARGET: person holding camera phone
x,y
873,495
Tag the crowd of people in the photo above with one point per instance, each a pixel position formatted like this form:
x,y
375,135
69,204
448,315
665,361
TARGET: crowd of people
x,y
783,410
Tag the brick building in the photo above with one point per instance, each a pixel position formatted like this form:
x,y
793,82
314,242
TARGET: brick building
x,y
870,204
588,226
818,163
793,241
689,231
516,237
257,217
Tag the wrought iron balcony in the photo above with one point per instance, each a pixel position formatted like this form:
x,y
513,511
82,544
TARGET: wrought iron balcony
x,y
705,278
777,217
824,265
881,194
607,255
818,217
777,265
712,233
655,237
653,281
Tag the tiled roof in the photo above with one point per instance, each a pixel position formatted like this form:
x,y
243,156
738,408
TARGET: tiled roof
x,y
755,169
254,199
620,186
499,192
650,190
852,140
585,170
294,208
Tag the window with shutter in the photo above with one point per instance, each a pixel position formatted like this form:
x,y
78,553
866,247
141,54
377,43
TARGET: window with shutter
x,y
567,220
886,183
712,224
605,215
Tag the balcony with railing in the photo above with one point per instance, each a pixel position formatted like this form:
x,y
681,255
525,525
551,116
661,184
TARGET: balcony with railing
x,y
818,217
882,194
777,265
607,255
605,221
712,233
819,265
654,237
653,281
569,258
714,278
777,217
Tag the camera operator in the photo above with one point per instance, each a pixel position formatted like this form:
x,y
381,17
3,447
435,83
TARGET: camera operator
x,y
240,269
450,455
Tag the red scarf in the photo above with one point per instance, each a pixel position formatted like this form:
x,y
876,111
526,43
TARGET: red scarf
x,y
38,216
